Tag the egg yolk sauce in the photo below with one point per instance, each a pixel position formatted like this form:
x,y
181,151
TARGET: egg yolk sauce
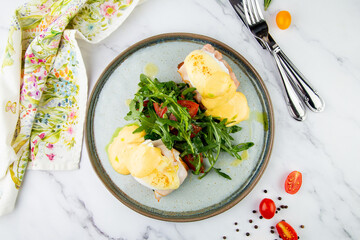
x,y
130,154
217,89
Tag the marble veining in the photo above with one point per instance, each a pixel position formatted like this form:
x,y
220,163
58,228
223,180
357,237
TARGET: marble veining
x,y
322,42
79,211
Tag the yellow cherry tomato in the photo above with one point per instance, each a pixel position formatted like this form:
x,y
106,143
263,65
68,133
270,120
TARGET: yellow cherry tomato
x,y
283,19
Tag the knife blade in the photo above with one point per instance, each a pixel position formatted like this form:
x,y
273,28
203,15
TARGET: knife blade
x,y
239,9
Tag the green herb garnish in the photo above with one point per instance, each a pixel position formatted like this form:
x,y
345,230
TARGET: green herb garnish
x,y
266,4
177,128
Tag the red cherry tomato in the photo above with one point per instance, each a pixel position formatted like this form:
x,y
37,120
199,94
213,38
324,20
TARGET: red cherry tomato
x,y
267,208
293,182
285,231
159,110
192,107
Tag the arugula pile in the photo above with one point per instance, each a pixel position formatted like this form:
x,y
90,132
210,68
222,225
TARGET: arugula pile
x,y
195,136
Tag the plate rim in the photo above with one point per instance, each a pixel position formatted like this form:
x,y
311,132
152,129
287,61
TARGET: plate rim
x,y
89,127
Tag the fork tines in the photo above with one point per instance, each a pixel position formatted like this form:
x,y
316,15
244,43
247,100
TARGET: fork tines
x,y
253,12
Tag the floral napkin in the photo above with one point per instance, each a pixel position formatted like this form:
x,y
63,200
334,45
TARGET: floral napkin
x,y
43,85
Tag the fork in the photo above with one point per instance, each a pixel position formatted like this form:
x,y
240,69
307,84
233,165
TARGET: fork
x,y
295,84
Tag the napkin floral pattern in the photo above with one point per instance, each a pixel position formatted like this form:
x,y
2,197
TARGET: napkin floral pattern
x,y
44,82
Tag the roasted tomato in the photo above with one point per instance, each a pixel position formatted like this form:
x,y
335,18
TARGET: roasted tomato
x,y
285,231
172,117
293,182
146,103
196,130
189,160
159,110
192,107
267,208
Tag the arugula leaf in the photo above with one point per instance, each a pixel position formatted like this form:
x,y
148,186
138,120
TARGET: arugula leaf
x,y
243,146
214,137
218,170
234,129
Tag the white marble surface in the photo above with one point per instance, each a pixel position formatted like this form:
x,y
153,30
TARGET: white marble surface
x,y
323,42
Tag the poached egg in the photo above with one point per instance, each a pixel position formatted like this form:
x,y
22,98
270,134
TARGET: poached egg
x,y
216,84
149,162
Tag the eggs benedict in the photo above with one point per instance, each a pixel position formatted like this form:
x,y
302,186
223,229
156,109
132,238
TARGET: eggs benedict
x,y
216,84
149,162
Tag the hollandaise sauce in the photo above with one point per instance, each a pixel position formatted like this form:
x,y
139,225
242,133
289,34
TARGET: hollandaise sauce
x,y
129,153
217,89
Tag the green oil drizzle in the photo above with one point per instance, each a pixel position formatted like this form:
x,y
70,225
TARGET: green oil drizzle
x,y
236,162
244,155
151,70
262,118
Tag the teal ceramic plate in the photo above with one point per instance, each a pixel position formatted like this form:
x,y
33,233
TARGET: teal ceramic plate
x,y
195,199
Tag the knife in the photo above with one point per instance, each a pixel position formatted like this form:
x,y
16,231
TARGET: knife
x,y
308,94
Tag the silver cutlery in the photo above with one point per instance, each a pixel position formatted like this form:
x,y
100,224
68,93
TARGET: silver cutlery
x,y
295,84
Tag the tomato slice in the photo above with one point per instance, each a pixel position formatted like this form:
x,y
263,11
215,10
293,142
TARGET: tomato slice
x,y
267,208
172,117
285,231
159,110
189,160
146,103
196,130
293,182
192,107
